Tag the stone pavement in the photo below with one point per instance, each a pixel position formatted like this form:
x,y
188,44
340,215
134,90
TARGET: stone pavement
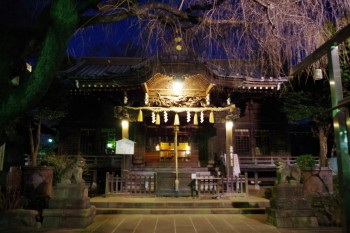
x,y
182,223
176,223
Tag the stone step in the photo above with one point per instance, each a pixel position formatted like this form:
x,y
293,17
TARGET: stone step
x,y
181,211
178,206
171,205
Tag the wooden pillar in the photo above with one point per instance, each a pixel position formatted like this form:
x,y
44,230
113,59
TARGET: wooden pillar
x,y
125,166
176,129
256,180
140,144
211,161
125,129
229,148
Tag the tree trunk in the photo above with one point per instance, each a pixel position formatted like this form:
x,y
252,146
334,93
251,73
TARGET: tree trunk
x,y
64,20
323,146
34,143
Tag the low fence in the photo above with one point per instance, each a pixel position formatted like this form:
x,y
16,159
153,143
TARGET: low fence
x,y
133,184
221,185
146,184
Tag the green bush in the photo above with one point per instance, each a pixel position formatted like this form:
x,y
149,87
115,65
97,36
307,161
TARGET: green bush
x,y
306,161
58,162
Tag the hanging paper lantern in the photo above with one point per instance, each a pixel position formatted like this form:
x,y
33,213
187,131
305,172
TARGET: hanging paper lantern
x,y
158,119
195,119
188,116
202,117
211,117
176,119
140,116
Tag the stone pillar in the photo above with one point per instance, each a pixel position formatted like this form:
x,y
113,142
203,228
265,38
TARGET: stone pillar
x,y
289,208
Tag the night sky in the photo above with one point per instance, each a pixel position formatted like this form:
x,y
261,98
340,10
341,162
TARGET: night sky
x,y
102,40
118,39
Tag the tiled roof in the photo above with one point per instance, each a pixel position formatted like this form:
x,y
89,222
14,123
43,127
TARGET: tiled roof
x,y
122,72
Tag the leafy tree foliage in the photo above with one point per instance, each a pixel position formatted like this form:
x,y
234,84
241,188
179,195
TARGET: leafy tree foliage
x,y
309,102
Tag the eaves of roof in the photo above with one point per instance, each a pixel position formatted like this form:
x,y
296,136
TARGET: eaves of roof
x,y
123,72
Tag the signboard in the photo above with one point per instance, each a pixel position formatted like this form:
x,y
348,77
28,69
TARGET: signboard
x,y
124,147
236,167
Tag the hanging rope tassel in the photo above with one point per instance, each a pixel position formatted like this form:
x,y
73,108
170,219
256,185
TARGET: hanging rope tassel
x,y
140,116
211,117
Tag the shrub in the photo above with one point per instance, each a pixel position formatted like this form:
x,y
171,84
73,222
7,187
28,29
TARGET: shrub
x,y
58,162
306,161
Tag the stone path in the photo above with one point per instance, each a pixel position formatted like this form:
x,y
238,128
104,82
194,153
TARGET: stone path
x,y
184,223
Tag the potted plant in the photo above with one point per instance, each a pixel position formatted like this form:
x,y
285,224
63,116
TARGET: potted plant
x,y
58,162
317,181
306,161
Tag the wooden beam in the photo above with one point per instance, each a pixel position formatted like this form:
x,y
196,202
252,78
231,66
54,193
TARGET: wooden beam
x,y
338,38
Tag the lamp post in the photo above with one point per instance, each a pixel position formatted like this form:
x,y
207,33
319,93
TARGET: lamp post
x,y
125,128
229,126
176,129
177,87
125,134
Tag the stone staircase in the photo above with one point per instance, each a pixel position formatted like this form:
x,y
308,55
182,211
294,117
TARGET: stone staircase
x,y
165,205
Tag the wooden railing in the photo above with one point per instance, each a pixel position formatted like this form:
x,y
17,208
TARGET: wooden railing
x,y
91,160
102,160
220,185
146,184
267,161
261,161
245,161
133,184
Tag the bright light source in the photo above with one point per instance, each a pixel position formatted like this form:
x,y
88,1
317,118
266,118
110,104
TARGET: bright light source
x,y
188,150
229,124
49,140
157,147
109,145
177,87
125,124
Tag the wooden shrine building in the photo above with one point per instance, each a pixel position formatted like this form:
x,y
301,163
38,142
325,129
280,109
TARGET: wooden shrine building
x,y
182,113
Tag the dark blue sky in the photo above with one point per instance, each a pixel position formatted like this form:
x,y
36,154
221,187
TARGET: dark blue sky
x,y
118,39
102,40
